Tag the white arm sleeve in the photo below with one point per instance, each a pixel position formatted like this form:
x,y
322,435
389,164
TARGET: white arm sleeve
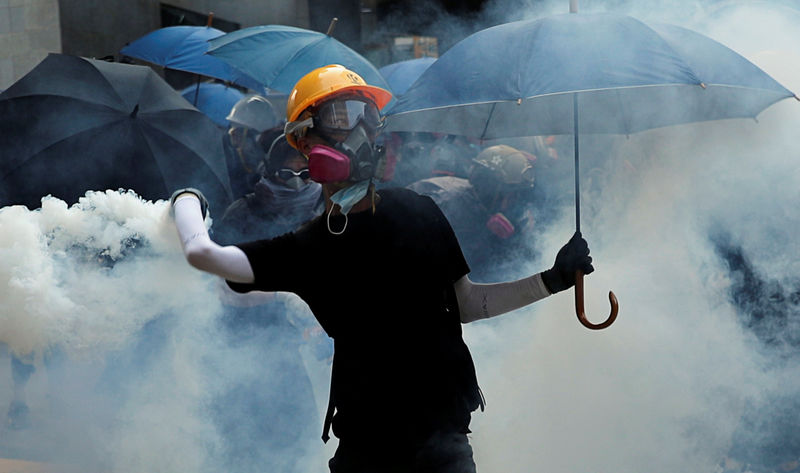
x,y
481,301
201,252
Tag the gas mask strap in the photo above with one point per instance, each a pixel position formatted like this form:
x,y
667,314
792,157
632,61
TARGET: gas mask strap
x,y
291,127
268,156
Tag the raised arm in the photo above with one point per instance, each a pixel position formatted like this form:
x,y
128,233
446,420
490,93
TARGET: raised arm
x,y
201,252
482,301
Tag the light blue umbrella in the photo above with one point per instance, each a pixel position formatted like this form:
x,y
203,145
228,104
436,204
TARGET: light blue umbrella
x,y
400,75
213,99
590,73
626,75
278,56
183,48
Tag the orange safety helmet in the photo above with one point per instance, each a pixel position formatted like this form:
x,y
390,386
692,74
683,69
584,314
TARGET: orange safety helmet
x,y
325,82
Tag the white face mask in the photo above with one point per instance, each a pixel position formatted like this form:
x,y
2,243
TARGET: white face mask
x,y
346,198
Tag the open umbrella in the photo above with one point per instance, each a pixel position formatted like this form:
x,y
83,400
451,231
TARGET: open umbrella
x,y
214,99
73,124
581,73
278,56
400,75
183,48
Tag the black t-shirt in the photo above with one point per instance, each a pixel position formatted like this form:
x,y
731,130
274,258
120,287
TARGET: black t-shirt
x,y
384,291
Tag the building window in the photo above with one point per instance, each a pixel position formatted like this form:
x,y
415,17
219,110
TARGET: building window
x,y
175,16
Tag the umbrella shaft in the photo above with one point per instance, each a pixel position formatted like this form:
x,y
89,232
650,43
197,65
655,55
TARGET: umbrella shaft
x,y
576,152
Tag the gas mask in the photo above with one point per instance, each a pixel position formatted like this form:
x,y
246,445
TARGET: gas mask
x,y
353,159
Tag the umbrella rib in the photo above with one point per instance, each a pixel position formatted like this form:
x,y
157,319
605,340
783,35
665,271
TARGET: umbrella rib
x,y
467,104
488,119
625,118
295,55
156,131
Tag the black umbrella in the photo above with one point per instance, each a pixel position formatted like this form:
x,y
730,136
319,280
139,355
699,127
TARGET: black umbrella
x,y
74,124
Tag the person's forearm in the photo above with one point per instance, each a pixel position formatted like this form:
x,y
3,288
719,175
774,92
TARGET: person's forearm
x,y
201,252
482,301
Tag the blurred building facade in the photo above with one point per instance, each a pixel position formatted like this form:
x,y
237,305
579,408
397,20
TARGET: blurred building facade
x,y
30,29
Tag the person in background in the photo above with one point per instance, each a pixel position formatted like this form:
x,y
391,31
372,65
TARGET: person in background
x,y
243,144
383,273
419,155
275,410
491,212
18,414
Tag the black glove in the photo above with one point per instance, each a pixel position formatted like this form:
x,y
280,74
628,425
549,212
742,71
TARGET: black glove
x,y
191,190
570,258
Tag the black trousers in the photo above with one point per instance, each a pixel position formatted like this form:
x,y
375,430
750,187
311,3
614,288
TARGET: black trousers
x,y
442,452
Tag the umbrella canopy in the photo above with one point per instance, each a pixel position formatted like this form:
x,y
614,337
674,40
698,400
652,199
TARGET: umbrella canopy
x,y
74,124
214,99
278,56
573,73
400,75
183,48
628,77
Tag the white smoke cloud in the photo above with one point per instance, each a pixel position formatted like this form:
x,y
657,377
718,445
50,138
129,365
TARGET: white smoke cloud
x,y
123,333
129,356
664,388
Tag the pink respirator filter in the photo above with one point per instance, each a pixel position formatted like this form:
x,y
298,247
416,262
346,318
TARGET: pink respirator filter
x,y
326,164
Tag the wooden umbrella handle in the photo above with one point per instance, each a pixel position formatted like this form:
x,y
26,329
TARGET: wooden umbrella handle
x,y
579,305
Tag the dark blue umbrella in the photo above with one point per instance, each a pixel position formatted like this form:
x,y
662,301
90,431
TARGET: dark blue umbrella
x,y
74,124
214,99
278,56
183,48
573,73
400,75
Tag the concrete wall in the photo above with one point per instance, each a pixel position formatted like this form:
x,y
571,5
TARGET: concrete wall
x,y
97,28
252,12
29,29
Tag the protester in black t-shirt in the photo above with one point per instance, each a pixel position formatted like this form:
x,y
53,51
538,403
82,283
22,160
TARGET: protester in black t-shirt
x,y
383,273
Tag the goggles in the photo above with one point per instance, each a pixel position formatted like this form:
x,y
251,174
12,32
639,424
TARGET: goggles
x,y
344,115
286,174
337,116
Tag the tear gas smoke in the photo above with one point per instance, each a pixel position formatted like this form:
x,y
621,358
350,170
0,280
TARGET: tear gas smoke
x,y
129,355
124,335
688,374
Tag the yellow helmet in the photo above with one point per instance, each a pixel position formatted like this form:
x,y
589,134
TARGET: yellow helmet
x,y
325,82
504,164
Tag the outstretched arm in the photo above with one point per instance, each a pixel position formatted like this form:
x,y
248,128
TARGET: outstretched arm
x,y
201,252
481,301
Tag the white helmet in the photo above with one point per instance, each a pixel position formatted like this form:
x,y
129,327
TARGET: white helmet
x,y
253,111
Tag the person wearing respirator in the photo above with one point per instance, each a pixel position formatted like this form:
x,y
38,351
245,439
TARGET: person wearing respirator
x,y
388,283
